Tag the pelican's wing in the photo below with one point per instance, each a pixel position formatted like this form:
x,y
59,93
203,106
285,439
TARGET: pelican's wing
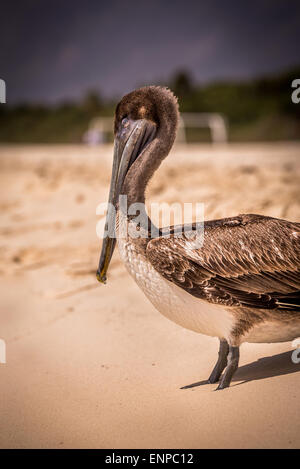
x,y
249,260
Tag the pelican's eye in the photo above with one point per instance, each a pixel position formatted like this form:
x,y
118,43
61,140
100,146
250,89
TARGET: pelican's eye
x,y
125,122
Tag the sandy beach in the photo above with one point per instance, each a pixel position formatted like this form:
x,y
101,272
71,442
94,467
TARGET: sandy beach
x,y
94,366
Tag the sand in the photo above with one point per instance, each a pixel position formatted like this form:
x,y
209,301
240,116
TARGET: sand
x,y
94,366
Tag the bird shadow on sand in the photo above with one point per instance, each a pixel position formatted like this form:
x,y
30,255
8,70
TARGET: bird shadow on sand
x,y
276,365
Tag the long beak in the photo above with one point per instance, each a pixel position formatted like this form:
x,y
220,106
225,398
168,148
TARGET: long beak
x,y
129,143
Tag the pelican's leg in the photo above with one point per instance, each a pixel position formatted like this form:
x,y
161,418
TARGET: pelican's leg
x,y
233,363
221,363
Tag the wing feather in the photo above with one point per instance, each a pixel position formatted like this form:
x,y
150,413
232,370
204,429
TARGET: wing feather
x,y
248,260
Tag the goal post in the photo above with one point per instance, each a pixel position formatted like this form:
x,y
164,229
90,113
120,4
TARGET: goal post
x,y
216,123
101,127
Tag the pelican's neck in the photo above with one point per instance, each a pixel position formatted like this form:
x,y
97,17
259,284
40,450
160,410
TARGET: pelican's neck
x,y
141,172
132,209
149,160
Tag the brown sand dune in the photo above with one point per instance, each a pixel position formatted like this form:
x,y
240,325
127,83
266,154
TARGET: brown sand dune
x,y
98,366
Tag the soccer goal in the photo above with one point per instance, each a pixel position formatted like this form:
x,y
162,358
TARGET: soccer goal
x,y
100,128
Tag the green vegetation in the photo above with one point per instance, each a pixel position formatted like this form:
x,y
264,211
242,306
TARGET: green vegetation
x,y
260,109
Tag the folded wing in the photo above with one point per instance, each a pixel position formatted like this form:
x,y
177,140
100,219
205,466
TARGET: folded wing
x,y
249,260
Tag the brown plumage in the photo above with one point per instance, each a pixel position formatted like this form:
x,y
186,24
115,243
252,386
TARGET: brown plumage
x,y
247,270
239,265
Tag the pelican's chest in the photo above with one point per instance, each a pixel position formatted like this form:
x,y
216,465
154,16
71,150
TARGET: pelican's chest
x,y
136,264
132,254
170,300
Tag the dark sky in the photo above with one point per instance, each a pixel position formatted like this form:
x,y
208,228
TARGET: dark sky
x,y
52,50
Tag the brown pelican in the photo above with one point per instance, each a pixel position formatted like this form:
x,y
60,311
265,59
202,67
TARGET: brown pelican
x,y
243,284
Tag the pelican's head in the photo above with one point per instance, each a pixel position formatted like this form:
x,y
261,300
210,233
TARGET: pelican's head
x,y
145,128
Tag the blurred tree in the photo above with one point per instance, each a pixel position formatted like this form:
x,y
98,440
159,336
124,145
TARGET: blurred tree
x,y
259,109
92,103
182,84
